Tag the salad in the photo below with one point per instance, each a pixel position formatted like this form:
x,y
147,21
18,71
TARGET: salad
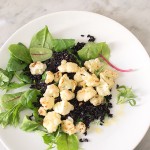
x,y
68,87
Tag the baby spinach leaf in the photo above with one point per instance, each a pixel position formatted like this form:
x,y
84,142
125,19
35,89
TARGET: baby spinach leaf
x,y
40,54
8,101
67,142
20,52
14,85
93,50
15,64
23,78
29,125
62,44
42,39
11,116
29,97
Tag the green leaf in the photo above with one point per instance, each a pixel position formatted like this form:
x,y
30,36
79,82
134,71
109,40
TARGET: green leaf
x,y
15,64
93,50
44,76
23,78
62,44
67,142
11,116
40,54
49,138
29,97
125,94
14,85
28,125
5,78
21,52
42,39
105,51
10,100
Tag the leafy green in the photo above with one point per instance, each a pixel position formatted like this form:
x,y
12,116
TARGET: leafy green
x,y
5,78
29,97
67,142
97,72
105,50
40,54
44,76
11,116
93,50
62,44
21,52
28,125
23,78
15,64
126,95
51,139
8,101
14,85
42,39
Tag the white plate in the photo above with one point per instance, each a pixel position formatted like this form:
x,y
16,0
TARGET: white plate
x,y
129,125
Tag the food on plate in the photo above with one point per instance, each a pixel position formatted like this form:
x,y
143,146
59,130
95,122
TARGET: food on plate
x,y
70,87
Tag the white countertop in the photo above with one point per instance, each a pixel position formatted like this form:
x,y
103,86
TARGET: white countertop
x,y
134,15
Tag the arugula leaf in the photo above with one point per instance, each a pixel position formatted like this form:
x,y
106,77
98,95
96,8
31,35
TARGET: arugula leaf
x,y
5,78
28,125
40,54
67,142
8,101
42,39
15,64
29,97
14,85
21,52
93,50
11,116
62,44
125,95
23,78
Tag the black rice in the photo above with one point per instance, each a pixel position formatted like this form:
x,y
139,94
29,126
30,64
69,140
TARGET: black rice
x,y
91,38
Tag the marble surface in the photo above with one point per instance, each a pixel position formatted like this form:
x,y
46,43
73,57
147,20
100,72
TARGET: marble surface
x,y
134,15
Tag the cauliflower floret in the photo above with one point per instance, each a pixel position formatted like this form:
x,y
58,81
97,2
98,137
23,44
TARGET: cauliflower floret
x,y
109,76
82,84
63,107
80,127
52,91
68,67
65,83
103,88
57,76
92,65
66,95
85,94
83,75
97,100
51,121
37,68
79,74
91,80
47,102
42,111
49,77
68,126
